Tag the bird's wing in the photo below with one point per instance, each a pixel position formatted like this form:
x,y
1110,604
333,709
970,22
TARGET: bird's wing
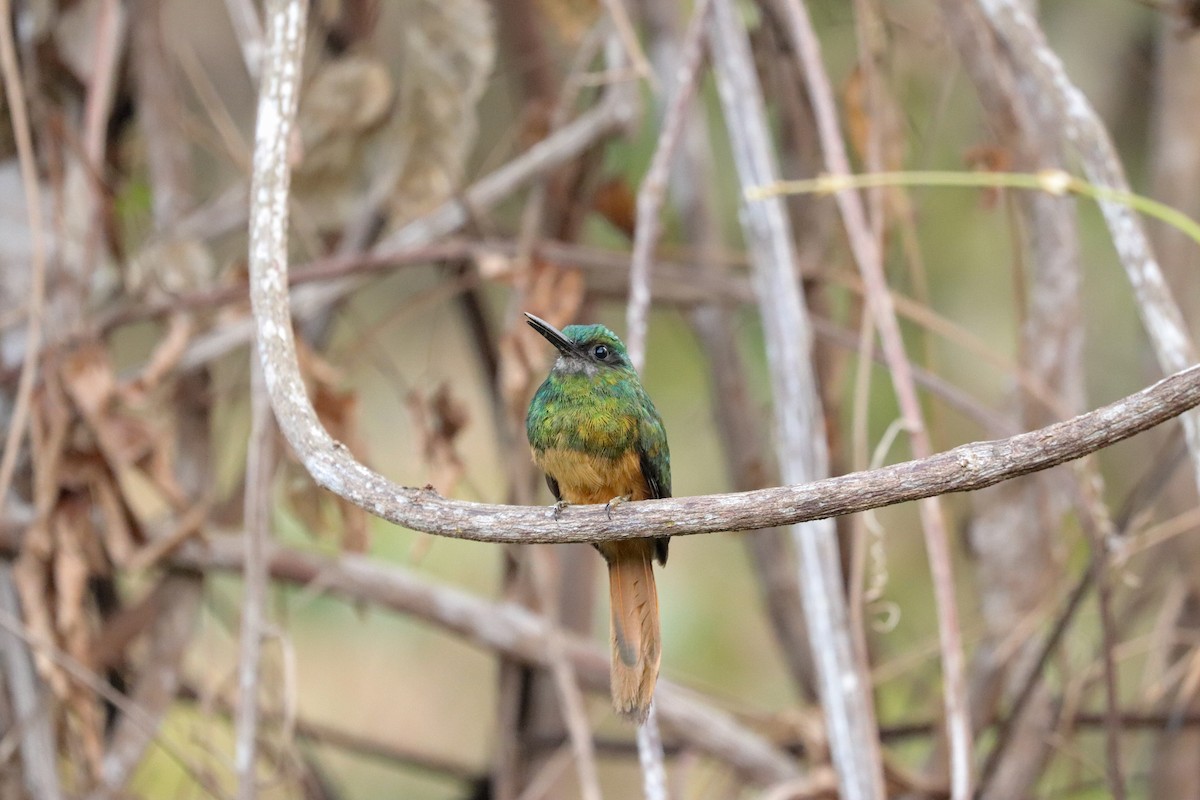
x,y
553,486
654,455
655,460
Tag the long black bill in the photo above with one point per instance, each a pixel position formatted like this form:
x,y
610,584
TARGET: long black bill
x,y
552,334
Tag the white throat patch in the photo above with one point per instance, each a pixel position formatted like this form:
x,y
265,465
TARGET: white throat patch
x,y
574,366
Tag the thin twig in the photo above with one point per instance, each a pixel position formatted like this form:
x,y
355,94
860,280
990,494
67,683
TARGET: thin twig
x,y
506,628
629,41
1032,679
654,185
14,91
843,682
566,684
29,721
650,756
257,514
1100,533
1023,39
869,260
249,32
87,678
109,32
278,97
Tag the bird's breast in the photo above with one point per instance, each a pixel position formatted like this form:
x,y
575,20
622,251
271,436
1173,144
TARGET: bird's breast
x,y
585,478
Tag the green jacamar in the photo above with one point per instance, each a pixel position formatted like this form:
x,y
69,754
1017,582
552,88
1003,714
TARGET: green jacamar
x,y
597,436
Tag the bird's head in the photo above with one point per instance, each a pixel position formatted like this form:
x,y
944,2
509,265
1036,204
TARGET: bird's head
x,y
586,349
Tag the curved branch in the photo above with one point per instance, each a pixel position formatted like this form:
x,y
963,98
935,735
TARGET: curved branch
x,y
965,468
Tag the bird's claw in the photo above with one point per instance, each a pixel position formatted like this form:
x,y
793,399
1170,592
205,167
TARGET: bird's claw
x,y
611,504
557,509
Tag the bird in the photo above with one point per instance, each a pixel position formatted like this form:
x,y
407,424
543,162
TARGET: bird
x,y
598,438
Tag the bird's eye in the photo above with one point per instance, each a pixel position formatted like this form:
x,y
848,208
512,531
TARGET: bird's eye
x,y
600,352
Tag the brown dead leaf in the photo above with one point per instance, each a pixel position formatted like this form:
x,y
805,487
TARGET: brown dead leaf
x,y
338,411
570,19
437,421
989,158
138,451
555,294
616,202
31,574
143,497
89,379
166,355
71,572
50,424
870,114
118,536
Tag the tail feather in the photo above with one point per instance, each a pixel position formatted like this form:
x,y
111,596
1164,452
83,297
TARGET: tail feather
x,y
636,643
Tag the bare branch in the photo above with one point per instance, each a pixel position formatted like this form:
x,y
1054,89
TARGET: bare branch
x,y
14,90
869,259
654,185
965,468
1024,40
650,755
278,97
507,628
38,748
842,679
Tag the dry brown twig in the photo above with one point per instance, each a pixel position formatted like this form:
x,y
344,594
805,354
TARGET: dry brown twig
x,y
869,260
38,738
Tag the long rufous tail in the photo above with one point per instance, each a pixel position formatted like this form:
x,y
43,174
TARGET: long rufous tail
x,y
636,643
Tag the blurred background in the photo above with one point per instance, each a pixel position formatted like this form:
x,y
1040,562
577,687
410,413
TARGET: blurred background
x,y
421,229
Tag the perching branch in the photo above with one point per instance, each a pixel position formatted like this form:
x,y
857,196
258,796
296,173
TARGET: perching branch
x,y
965,468
1037,63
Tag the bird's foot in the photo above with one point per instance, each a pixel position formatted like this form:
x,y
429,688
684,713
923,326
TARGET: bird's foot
x,y
616,501
557,509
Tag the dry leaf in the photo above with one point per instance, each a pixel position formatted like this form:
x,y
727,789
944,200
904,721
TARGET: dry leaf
x,y
437,421
571,19
870,115
555,294
617,203
989,158
89,379
338,412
